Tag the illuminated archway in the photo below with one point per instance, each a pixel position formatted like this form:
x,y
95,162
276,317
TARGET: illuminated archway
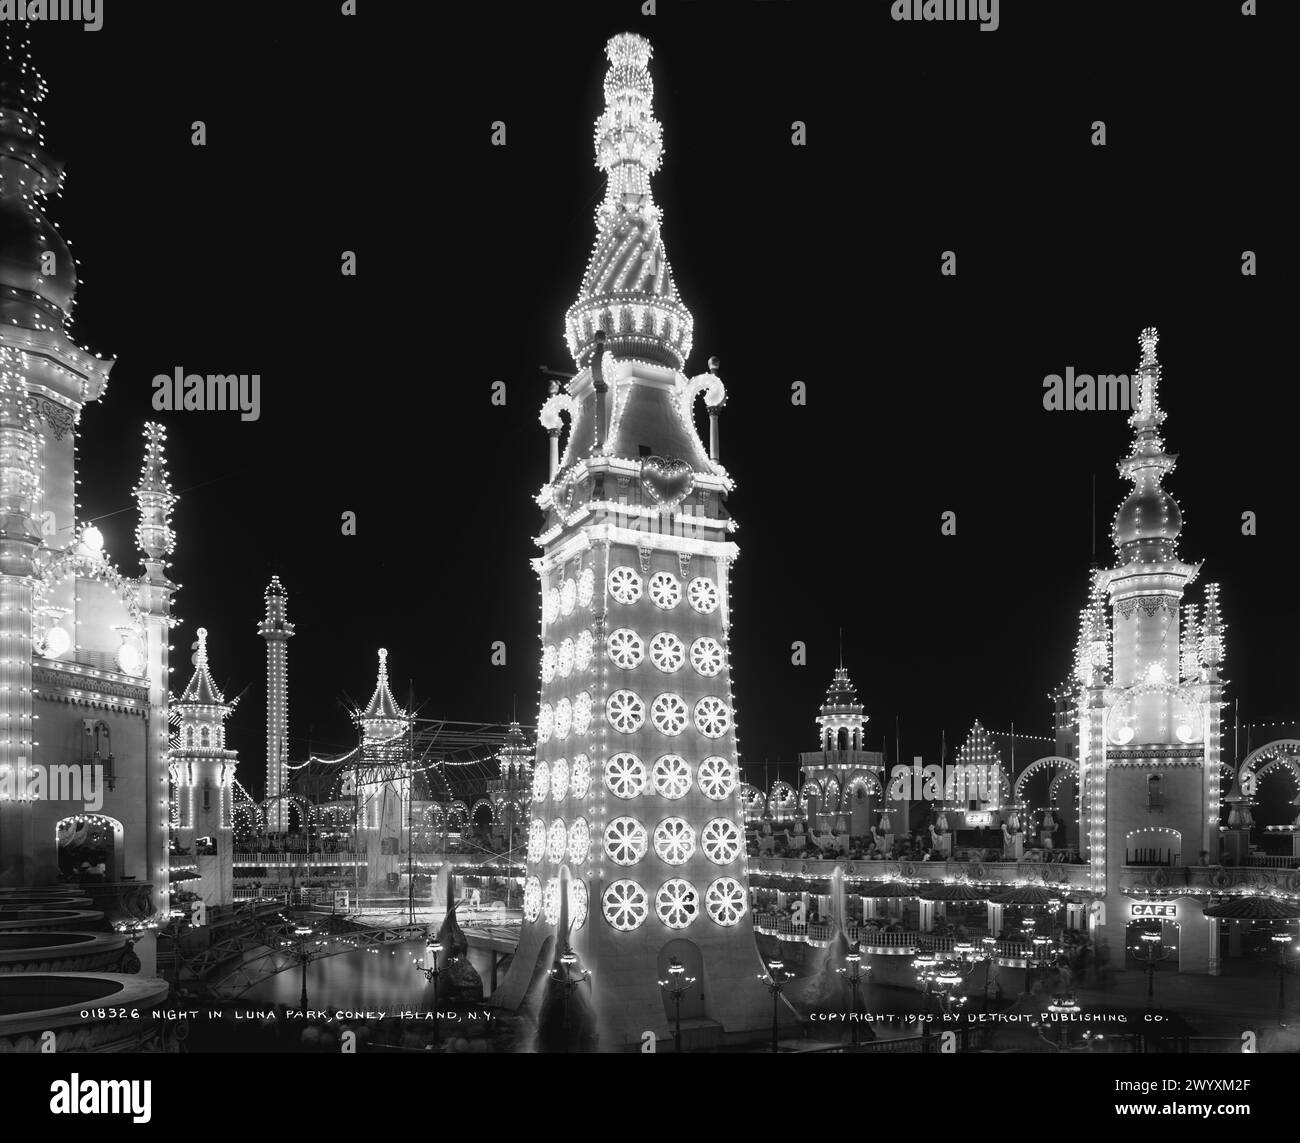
x,y
90,839
1064,767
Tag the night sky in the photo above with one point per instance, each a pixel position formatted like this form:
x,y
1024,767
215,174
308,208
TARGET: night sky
x,y
817,264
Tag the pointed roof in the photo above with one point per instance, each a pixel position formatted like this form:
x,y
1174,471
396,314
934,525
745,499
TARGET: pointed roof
x,y
382,717
382,704
841,706
202,690
628,288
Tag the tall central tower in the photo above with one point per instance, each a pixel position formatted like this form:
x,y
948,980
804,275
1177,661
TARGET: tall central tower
x,y
635,786
276,629
1149,716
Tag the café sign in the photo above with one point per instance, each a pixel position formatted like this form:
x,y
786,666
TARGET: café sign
x,y
1153,910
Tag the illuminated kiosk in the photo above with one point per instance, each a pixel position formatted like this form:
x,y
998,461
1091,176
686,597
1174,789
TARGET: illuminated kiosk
x,y
635,786
1149,711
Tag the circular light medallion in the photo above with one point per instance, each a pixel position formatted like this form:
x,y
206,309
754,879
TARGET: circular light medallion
x,y
625,905
724,900
674,841
665,590
624,585
677,903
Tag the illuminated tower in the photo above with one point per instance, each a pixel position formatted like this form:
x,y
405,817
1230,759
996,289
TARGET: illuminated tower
x,y
635,786
382,784
204,774
83,647
1149,734
277,631
842,780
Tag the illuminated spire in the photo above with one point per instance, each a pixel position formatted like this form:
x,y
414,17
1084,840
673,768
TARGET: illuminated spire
x,y
202,690
1190,654
1213,629
628,289
1148,522
154,497
382,718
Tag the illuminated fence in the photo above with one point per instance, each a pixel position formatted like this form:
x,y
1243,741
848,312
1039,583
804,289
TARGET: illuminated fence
x,y
873,940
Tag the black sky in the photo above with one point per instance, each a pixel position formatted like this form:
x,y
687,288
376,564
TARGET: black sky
x,y
817,264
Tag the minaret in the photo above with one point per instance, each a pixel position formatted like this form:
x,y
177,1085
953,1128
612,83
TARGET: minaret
x,y
205,775
1149,745
635,786
156,541
277,631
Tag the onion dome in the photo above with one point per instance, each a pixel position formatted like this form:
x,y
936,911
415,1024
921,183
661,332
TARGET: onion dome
x,y
1149,521
34,258
382,717
628,288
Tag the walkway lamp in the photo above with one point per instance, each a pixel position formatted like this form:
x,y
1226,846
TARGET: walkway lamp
x,y
429,966
677,984
854,974
774,980
1149,952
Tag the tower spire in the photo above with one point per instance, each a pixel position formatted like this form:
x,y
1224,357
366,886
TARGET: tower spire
x,y
628,289
154,498
1147,525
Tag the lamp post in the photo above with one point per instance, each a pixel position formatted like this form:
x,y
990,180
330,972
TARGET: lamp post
x,y
563,975
774,980
675,986
429,966
990,958
302,935
1064,1004
853,974
1281,939
1149,952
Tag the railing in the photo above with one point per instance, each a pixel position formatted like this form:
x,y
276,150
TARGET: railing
x,y
883,940
1269,861
275,860
857,871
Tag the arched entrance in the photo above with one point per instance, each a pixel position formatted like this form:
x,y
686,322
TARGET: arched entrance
x,y
688,953
87,841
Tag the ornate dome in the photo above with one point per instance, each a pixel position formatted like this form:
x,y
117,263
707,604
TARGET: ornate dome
x,y
1150,513
26,236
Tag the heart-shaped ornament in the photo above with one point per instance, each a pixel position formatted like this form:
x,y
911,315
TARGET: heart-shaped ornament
x,y
667,480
